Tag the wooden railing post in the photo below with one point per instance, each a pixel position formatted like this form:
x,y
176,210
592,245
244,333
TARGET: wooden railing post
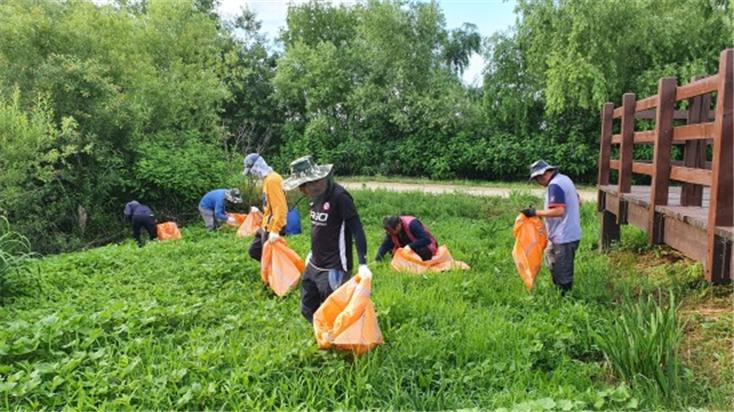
x,y
625,153
717,265
609,231
661,157
694,153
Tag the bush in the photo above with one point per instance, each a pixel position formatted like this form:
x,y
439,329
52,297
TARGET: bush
x,y
14,251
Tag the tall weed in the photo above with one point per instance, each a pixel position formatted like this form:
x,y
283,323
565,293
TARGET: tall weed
x,y
641,345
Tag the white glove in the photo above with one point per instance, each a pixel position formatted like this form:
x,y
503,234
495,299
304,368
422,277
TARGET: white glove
x,y
364,272
231,220
273,236
407,248
254,209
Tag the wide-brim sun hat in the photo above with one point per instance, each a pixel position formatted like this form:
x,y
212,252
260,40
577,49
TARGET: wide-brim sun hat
x,y
304,170
249,162
233,195
540,167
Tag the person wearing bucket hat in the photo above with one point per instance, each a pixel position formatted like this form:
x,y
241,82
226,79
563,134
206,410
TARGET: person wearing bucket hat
x,y
562,220
212,206
275,205
334,222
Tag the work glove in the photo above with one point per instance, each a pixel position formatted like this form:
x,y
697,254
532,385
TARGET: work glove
x,y
273,236
364,272
407,248
528,212
254,209
231,220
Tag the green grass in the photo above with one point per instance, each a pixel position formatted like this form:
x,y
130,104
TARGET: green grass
x,y
189,325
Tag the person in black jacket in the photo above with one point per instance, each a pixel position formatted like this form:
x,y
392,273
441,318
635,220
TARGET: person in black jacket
x,y
140,216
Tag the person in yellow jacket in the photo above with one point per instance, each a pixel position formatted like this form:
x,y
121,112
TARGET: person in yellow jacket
x,y
275,205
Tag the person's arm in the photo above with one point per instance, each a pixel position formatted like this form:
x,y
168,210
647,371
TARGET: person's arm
x,y
421,237
219,211
556,203
355,226
278,205
385,247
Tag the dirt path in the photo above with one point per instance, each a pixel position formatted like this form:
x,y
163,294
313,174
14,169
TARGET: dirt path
x,y
586,196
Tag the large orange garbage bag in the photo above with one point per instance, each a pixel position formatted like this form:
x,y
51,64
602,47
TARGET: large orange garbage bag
x,y
280,267
238,219
347,319
167,231
530,241
405,260
250,225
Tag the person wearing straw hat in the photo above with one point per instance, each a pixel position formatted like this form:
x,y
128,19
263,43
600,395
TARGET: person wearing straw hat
x,y
212,206
562,220
275,205
334,222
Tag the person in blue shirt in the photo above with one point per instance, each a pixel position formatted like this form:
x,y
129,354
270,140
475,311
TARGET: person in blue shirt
x,y
140,216
562,220
406,231
212,206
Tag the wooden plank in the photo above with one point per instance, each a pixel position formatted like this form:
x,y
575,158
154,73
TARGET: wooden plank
x,y
617,113
686,238
701,131
644,137
694,152
628,134
642,168
661,156
612,203
616,139
691,175
697,88
609,231
605,143
646,103
721,207
637,216
614,164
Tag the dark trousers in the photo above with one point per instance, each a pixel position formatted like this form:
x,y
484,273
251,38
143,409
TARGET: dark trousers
x,y
256,247
147,222
316,286
562,258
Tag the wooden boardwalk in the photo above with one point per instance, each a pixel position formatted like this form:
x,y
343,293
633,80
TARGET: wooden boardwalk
x,y
697,216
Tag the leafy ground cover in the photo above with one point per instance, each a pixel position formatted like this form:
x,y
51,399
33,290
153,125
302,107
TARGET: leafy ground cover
x,y
188,325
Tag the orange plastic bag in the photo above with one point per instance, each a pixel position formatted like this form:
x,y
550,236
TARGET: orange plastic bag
x,y
238,219
250,225
347,319
530,241
167,231
408,261
280,267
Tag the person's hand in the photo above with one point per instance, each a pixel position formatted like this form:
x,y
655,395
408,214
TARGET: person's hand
x,y
273,236
407,248
308,258
529,211
364,272
231,220
254,209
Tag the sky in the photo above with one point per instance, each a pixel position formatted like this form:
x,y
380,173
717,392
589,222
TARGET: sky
x,y
490,16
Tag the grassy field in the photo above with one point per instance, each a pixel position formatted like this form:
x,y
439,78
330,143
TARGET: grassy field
x,y
188,325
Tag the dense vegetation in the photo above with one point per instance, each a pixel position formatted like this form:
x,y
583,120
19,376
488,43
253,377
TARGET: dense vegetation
x,y
158,100
188,325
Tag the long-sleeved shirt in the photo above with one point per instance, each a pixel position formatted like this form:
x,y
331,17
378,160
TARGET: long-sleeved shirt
x,y
214,200
421,240
136,208
276,205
